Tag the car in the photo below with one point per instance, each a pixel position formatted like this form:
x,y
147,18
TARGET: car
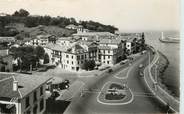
x,y
104,68
54,95
141,66
123,62
110,70
141,74
143,52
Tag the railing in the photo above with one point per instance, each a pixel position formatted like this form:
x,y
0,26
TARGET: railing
x,y
158,91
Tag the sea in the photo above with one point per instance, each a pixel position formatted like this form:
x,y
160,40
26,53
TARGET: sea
x,y
172,52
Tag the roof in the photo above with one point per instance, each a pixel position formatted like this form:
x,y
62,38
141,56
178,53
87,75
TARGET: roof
x,y
65,38
110,41
56,47
26,84
94,34
7,39
105,48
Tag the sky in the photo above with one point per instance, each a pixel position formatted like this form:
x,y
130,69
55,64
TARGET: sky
x,y
127,15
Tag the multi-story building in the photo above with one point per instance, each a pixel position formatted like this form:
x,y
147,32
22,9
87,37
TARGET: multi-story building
x,y
40,40
22,94
55,52
65,41
94,36
74,58
107,55
110,42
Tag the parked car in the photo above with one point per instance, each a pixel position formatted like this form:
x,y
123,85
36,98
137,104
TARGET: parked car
x,y
123,62
110,70
104,68
141,66
143,52
54,95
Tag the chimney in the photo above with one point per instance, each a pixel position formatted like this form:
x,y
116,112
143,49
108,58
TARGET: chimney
x,y
15,85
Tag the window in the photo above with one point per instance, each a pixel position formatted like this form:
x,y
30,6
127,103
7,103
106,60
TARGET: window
x,y
72,56
27,101
82,57
67,62
67,56
107,62
41,90
35,97
41,105
78,57
35,109
73,68
72,62
104,56
109,57
104,51
108,51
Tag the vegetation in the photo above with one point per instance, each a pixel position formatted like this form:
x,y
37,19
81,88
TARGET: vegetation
x,y
112,96
89,65
24,17
116,86
28,57
46,58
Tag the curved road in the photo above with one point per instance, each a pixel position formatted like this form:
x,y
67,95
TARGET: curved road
x,y
143,101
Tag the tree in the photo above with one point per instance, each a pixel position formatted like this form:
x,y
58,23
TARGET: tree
x,y
89,65
40,52
46,58
21,13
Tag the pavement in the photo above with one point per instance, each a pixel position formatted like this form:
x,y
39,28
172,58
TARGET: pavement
x,y
143,101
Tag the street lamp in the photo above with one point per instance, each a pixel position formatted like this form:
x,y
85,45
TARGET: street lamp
x,y
156,82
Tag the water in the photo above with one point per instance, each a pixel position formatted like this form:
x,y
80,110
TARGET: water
x,y
171,51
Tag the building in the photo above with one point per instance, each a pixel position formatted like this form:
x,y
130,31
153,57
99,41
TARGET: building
x,y
65,41
79,28
93,36
74,58
40,40
55,52
22,94
52,39
71,26
110,42
107,55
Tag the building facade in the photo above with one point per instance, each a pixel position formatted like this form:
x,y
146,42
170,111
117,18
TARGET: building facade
x,y
21,94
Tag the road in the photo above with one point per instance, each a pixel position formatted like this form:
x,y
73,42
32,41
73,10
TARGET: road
x,y
142,102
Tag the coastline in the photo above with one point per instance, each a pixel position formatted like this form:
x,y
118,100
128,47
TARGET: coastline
x,y
169,40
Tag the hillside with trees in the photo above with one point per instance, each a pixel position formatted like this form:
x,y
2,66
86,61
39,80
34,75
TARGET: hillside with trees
x,y
29,21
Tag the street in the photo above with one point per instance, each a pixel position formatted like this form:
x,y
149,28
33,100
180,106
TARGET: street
x,y
88,103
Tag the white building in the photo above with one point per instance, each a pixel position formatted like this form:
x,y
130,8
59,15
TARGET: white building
x,y
22,94
113,43
107,55
93,36
40,40
74,58
65,41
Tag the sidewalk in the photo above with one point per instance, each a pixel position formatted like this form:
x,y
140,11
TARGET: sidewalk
x,y
68,94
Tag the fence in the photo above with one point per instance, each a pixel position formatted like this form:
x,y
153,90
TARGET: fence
x,y
158,91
